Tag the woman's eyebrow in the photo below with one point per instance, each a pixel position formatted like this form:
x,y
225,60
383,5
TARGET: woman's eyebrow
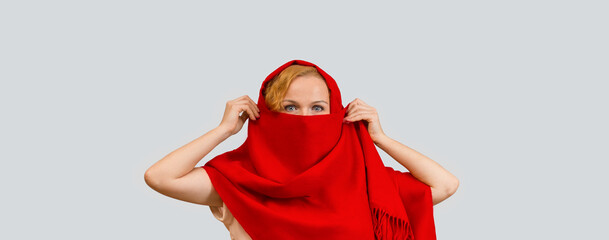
x,y
292,101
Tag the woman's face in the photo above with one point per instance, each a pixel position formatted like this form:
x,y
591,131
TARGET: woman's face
x,y
307,95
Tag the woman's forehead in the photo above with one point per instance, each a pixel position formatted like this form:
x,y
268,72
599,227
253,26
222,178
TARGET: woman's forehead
x,y
310,85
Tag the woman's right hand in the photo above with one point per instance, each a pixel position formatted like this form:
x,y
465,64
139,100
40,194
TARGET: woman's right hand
x,y
231,120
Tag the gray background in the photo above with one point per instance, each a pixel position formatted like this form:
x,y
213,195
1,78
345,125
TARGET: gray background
x,y
509,96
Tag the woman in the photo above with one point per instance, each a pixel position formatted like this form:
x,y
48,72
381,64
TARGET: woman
x,y
308,168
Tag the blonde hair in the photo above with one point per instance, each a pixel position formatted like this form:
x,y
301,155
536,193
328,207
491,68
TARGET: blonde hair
x,y
277,88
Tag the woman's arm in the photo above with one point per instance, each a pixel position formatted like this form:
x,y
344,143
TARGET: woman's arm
x,y
442,183
175,175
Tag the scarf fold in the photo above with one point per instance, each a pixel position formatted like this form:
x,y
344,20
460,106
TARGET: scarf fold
x,y
313,177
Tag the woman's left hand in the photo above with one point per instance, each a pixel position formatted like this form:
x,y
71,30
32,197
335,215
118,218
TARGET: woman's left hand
x,y
359,110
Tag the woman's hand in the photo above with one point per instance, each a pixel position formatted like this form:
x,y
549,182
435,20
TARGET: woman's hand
x,y
232,121
359,110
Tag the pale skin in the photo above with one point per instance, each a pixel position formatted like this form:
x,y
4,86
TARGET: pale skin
x,y
176,176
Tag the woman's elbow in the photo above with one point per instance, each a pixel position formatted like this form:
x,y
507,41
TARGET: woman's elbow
x,y
448,188
451,186
445,190
151,179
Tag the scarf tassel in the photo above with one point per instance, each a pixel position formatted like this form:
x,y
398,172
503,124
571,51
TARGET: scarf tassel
x,y
388,227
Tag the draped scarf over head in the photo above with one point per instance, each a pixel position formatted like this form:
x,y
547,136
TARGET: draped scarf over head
x,y
313,177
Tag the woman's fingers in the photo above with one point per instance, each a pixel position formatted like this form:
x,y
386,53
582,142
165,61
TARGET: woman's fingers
x,y
246,106
253,107
247,109
244,116
254,104
358,104
237,111
359,108
361,115
254,110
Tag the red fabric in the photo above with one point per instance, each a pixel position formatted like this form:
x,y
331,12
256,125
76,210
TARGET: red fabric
x,y
315,177
414,192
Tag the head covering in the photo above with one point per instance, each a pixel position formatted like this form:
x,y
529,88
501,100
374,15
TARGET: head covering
x,y
313,177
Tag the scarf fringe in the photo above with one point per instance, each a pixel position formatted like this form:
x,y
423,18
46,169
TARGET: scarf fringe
x,y
388,227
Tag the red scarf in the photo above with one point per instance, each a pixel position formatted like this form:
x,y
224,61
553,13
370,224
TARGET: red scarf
x,y
315,177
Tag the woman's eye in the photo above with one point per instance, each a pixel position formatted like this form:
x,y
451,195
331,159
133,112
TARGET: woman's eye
x,y
289,107
318,108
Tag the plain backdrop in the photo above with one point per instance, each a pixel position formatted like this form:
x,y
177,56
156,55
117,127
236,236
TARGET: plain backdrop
x,y
509,96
